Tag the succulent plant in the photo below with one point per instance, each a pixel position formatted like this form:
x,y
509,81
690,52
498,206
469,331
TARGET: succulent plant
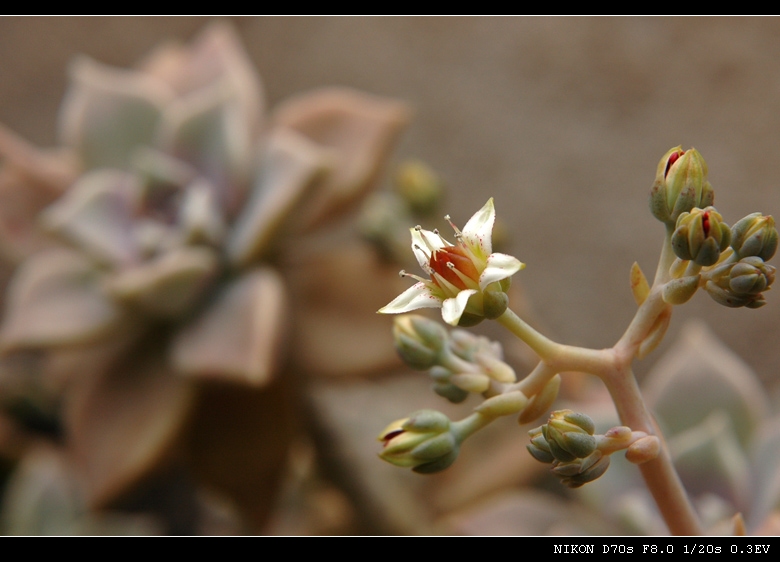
x,y
147,309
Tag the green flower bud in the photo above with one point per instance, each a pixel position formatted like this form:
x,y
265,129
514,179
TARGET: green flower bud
x,y
680,185
742,283
569,435
419,186
440,374
435,448
726,297
539,448
755,235
471,382
577,421
595,471
495,368
751,276
421,440
427,420
444,387
468,346
453,393
577,466
418,340
757,302
701,235
439,464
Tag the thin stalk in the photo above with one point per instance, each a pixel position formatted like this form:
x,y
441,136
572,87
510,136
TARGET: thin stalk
x,y
659,474
556,356
469,425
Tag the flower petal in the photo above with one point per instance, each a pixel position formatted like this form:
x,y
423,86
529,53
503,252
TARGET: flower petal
x,y
499,266
416,296
422,242
452,309
478,232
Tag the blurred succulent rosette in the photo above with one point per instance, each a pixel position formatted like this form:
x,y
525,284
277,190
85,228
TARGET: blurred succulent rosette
x,y
155,273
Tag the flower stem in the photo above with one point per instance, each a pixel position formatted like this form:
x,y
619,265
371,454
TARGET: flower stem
x,y
543,346
469,425
659,474
613,366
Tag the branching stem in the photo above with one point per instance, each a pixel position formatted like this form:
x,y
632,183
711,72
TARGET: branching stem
x,y
613,367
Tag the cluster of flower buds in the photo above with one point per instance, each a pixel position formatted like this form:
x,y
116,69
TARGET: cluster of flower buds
x,y
577,455
423,442
742,279
567,442
459,362
728,262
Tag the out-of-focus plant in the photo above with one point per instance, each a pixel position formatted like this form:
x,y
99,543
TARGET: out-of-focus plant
x,y
469,283
146,314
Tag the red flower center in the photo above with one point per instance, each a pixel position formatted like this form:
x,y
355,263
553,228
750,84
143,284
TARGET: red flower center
x,y
456,256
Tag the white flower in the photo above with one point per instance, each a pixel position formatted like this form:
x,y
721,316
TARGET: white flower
x,y
467,280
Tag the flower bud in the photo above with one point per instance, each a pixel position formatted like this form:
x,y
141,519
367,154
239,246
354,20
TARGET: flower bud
x,y
751,276
728,298
494,367
680,185
453,393
419,186
468,345
577,466
444,387
595,471
471,382
422,442
742,283
701,235
755,235
569,435
539,448
418,340
568,420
